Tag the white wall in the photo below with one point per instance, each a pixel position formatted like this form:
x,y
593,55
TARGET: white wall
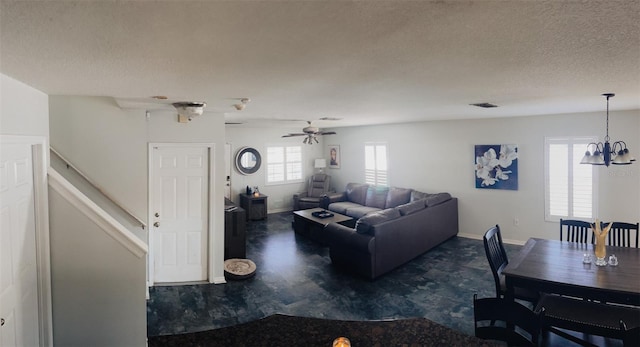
x,y
438,157
280,196
422,156
98,285
23,109
110,145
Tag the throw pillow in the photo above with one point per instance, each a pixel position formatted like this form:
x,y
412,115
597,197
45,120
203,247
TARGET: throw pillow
x,y
357,192
364,224
397,197
376,196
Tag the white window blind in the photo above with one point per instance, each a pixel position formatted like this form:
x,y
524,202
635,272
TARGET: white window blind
x,y
284,164
569,186
375,164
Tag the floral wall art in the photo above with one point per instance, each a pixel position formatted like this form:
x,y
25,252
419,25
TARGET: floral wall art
x,y
496,166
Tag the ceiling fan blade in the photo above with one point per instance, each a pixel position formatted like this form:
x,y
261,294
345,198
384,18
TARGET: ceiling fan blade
x,y
326,133
291,135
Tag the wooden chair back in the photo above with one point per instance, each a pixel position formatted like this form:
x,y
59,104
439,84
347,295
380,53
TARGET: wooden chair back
x,y
630,337
506,320
576,231
496,255
623,234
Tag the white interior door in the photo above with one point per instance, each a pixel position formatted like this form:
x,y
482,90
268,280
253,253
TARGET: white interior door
x,y
18,267
180,213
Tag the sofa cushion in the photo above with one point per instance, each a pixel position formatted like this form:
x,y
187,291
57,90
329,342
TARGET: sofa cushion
x,y
342,206
416,195
364,224
376,196
435,199
357,192
411,207
397,197
360,211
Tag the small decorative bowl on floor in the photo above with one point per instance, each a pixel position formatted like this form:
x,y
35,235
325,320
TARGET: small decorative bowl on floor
x,y
239,269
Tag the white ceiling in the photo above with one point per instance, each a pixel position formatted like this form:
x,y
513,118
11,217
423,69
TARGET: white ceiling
x,y
367,62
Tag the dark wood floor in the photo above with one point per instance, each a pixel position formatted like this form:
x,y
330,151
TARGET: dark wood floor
x,y
295,277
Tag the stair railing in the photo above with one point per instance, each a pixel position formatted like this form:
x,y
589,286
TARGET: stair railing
x,y
98,188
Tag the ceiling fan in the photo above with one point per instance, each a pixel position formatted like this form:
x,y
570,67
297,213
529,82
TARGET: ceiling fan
x,y
311,133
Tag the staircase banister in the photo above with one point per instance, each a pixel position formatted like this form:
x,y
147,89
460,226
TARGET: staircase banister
x,y
107,223
99,188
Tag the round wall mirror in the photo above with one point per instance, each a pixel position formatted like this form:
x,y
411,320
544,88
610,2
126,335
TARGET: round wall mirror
x,y
248,160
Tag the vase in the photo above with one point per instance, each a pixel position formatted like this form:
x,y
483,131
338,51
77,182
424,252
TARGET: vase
x,y
601,238
601,250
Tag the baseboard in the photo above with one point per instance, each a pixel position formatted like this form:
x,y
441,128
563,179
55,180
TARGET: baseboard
x,y
279,210
219,280
479,237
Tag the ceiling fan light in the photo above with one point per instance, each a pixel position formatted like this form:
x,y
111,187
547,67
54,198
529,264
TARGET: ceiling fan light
x,y
189,109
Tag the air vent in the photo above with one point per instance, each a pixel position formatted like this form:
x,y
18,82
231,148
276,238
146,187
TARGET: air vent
x,y
484,105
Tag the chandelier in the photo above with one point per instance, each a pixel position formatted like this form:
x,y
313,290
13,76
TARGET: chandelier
x,y
605,154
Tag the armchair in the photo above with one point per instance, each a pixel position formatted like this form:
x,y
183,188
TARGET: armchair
x,y
317,187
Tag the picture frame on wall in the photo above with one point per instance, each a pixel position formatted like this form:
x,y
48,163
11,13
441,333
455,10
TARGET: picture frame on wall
x,y
496,166
334,156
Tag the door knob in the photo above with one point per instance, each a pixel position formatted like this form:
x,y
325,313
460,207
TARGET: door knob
x,y
156,224
157,214
1,322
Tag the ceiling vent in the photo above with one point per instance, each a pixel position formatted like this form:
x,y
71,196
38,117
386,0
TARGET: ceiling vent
x,y
484,105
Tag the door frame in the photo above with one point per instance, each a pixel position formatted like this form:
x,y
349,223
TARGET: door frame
x,y
210,201
40,159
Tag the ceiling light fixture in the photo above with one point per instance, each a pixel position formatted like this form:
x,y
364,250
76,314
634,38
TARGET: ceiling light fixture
x,y
603,153
243,102
188,109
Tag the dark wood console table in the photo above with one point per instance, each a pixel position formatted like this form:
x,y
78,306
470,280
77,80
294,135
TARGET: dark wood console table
x,y
256,206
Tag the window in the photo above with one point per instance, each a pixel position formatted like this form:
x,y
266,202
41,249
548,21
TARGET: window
x,y
375,164
284,164
570,191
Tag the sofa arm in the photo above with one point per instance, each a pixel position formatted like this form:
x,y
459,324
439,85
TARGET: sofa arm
x,y
300,195
342,237
331,198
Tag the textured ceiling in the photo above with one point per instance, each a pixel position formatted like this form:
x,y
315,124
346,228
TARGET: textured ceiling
x,y
367,62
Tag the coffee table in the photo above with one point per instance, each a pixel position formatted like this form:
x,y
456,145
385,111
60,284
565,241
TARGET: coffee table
x,y
304,223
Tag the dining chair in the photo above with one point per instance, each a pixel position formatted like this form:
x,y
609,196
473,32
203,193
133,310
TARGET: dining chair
x,y
576,231
630,337
506,320
623,234
588,317
498,260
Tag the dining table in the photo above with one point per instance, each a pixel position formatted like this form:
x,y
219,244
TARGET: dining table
x,y
559,267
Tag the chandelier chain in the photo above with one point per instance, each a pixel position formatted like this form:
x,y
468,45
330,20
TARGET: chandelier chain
x,y
606,138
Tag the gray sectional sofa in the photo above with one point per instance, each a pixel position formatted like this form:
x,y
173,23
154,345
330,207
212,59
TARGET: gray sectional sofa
x,y
394,225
